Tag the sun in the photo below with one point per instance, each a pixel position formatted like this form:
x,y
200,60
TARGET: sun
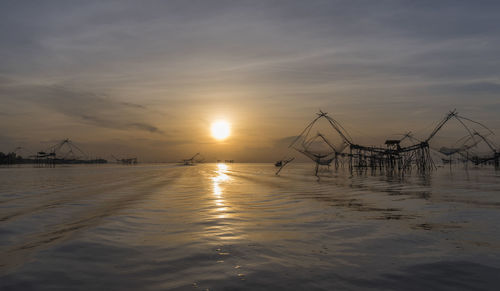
x,y
220,129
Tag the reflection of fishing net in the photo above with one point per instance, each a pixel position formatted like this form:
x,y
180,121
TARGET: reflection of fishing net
x,y
319,142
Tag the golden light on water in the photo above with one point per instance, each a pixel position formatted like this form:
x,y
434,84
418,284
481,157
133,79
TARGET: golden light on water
x,y
220,129
219,179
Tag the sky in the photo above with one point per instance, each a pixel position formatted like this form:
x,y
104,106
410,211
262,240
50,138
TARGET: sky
x,y
147,78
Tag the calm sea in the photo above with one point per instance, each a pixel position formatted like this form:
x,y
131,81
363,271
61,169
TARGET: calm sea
x,y
238,226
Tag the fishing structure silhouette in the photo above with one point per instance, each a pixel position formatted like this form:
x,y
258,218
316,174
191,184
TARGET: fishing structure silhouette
x,y
394,157
126,161
63,152
197,158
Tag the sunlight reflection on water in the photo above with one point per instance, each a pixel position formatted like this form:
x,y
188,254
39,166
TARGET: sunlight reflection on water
x,y
219,180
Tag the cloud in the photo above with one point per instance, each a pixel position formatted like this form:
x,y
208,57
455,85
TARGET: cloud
x,y
133,105
117,65
84,106
468,88
146,127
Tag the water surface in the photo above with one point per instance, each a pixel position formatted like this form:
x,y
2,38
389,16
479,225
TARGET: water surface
x,y
238,226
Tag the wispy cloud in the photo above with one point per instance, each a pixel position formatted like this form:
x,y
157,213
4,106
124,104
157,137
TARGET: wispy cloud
x,y
128,66
88,107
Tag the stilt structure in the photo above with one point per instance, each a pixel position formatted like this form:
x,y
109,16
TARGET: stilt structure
x,y
64,152
394,157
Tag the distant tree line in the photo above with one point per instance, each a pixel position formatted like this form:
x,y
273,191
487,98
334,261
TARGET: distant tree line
x,y
13,158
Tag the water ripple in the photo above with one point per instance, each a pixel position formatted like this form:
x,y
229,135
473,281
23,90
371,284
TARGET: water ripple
x,y
238,226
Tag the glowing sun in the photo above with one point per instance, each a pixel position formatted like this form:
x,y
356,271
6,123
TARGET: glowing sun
x,y
220,129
